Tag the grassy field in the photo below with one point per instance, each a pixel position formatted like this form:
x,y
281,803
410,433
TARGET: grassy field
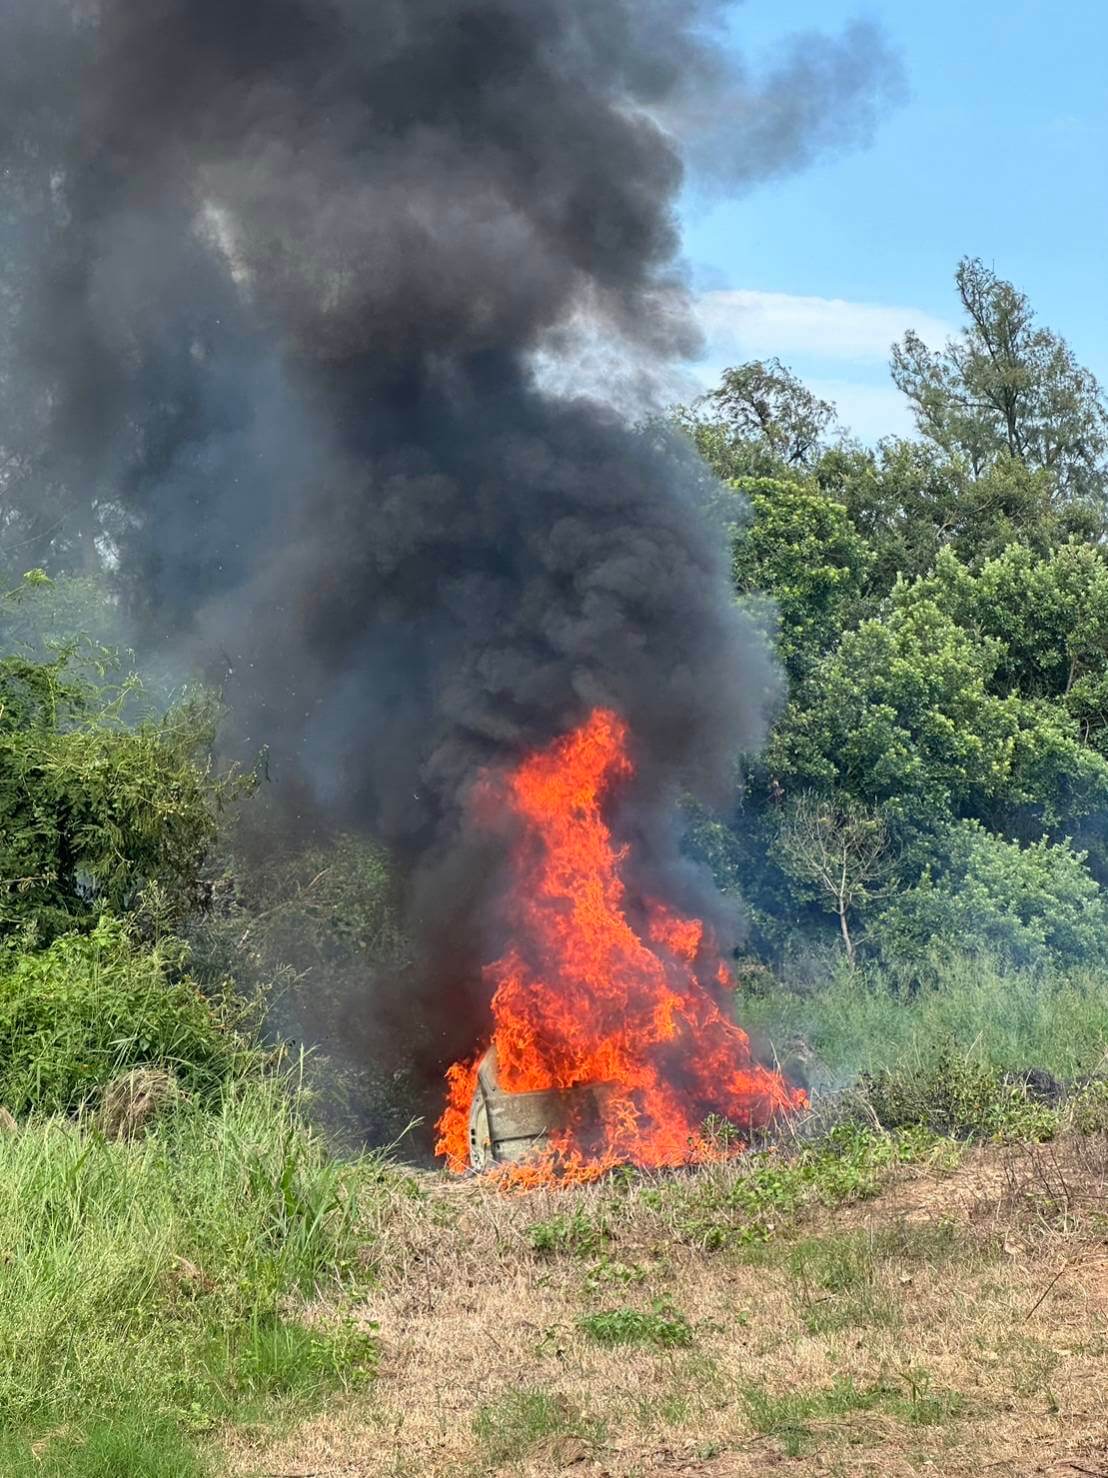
x,y
221,1298
913,1279
945,1312
155,1291
862,1021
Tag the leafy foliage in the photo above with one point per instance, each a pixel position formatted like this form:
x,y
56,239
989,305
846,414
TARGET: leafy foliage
x,y
92,809
661,1326
1027,904
940,607
801,547
760,420
75,1016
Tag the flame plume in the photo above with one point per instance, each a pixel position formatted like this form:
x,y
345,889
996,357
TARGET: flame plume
x,y
594,990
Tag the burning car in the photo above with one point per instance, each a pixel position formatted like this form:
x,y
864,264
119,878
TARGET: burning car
x,y
512,1128
611,1039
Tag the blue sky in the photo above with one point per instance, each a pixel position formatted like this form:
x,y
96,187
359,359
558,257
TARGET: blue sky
x,y
998,151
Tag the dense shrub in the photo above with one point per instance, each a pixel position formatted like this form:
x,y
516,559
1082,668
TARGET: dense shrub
x,y
1030,904
76,1015
95,806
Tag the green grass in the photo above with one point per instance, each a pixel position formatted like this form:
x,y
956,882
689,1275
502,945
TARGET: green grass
x,y
575,1232
789,1417
753,1199
662,1327
506,1428
158,1276
126,1446
836,1285
960,1096
867,1020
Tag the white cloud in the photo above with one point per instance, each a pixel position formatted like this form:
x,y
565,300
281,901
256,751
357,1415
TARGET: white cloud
x,y
869,411
753,325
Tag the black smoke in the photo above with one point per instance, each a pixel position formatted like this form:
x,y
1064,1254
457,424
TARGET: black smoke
x,y
275,276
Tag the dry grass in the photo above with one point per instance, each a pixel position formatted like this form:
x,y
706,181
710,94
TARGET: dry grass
x,y
956,1324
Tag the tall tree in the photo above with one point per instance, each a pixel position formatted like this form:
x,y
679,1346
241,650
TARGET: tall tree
x,y
1007,388
760,421
840,851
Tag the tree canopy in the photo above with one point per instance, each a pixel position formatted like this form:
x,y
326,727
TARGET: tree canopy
x,y
940,606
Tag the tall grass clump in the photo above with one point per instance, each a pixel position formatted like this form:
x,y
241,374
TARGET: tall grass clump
x,y
163,1276
873,1019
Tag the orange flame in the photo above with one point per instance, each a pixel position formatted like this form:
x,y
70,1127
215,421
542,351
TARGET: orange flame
x,y
586,995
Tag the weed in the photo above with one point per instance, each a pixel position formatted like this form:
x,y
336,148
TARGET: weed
x,y
278,1358
787,1418
749,1200
608,1272
1088,1109
835,1286
150,1275
575,1232
661,1326
922,1406
90,1008
866,1020
520,1419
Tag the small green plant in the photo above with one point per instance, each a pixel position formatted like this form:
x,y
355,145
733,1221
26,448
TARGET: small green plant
x,y
609,1272
662,1326
275,1357
1088,1109
920,1404
518,1420
752,1198
788,1417
575,1233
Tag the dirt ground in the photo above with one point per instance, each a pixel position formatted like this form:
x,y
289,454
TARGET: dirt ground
x,y
955,1324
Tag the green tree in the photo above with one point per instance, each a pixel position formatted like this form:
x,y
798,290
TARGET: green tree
x,y
1007,389
1051,613
910,501
93,808
905,713
1032,904
759,421
801,551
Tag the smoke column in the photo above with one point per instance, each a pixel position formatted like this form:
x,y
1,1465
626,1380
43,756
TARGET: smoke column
x,y
275,276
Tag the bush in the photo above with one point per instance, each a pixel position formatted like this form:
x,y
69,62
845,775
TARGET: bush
x,y
1032,905
960,1096
91,1007
95,807
309,928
